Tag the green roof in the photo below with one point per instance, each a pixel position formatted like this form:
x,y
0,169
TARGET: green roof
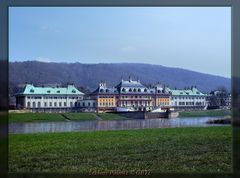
x,y
191,92
69,90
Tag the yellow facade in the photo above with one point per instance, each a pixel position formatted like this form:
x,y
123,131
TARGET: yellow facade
x,y
106,101
163,101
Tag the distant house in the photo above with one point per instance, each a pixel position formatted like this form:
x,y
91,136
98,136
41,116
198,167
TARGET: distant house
x,y
219,99
48,99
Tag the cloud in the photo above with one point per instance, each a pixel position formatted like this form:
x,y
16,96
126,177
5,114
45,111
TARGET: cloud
x,y
42,59
49,29
128,49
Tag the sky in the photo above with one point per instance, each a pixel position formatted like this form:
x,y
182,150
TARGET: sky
x,y
194,38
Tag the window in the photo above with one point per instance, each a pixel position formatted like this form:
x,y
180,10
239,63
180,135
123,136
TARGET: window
x,y
89,104
50,104
60,104
55,104
71,104
29,104
130,90
65,104
139,90
34,104
45,104
28,97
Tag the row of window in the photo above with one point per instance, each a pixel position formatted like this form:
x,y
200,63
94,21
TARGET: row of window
x,y
106,97
135,102
106,104
163,103
136,96
50,104
182,97
86,104
190,103
52,97
133,90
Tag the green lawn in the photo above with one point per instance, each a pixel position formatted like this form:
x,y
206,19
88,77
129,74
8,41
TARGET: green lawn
x,y
111,116
34,117
80,116
205,113
172,150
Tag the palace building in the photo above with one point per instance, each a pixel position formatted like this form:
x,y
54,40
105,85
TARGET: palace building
x,y
48,99
131,95
128,95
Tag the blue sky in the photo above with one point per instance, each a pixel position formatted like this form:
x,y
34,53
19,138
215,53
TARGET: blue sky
x,y
194,38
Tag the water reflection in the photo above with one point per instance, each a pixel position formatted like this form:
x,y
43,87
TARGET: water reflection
x,y
109,125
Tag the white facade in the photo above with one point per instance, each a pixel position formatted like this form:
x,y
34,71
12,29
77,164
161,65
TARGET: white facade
x,y
182,101
50,101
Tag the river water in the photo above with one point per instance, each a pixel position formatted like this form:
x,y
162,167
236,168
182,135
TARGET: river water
x,y
74,126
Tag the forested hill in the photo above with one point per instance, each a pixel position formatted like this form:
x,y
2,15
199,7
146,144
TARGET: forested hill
x,y
89,75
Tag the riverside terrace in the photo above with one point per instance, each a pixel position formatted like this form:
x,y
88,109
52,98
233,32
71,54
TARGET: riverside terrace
x,y
130,95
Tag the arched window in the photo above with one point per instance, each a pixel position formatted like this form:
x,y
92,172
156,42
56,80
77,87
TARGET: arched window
x,y
145,90
130,90
101,90
39,104
134,90
28,104
34,104
123,90
139,90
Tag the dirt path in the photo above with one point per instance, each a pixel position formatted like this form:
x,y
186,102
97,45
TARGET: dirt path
x,y
97,117
65,117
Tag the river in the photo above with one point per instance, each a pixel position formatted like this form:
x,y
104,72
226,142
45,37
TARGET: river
x,y
74,126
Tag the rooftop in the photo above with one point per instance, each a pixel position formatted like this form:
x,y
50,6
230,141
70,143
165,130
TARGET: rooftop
x,y
69,90
192,91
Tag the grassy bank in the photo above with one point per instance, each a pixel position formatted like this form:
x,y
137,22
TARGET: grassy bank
x,y
111,116
47,117
188,150
80,116
34,117
205,113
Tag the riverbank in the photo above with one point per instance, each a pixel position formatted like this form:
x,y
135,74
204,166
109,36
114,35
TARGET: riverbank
x,y
225,120
205,113
55,117
173,150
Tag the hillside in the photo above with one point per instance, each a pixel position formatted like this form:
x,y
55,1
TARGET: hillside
x,y
89,75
